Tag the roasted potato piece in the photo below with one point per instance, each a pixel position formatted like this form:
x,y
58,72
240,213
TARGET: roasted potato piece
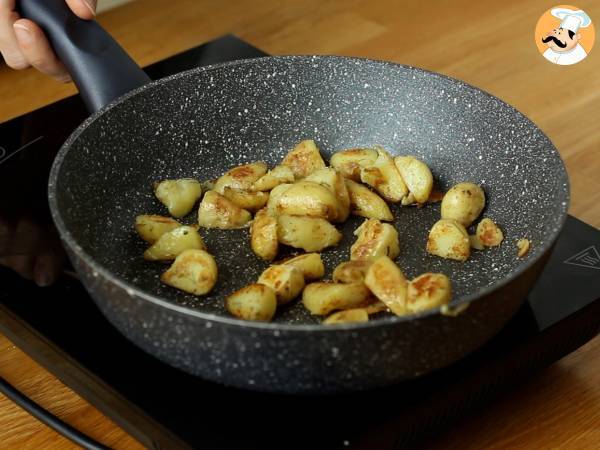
x,y
287,281
150,227
179,196
307,198
449,239
304,159
263,235
428,291
416,175
347,316
489,233
193,271
323,297
274,197
351,271
375,239
311,234
216,211
376,308
475,242
241,177
384,177
349,162
174,242
332,179
310,264
274,177
463,203
251,201
253,302
387,282
366,203
523,246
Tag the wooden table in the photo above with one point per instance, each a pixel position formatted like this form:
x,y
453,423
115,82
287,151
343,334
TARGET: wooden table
x,y
487,44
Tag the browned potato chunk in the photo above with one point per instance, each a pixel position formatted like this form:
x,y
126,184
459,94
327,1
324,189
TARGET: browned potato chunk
x,y
310,264
311,234
351,271
253,302
323,297
274,177
348,316
523,246
179,196
274,197
263,235
449,239
384,177
475,242
307,198
304,159
174,242
150,227
193,271
349,162
375,239
216,211
241,177
489,233
463,203
331,179
286,281
416,175
387,282
428,291
366,203
251,201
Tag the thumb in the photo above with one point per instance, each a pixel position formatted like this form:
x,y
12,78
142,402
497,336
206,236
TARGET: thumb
x,y
85,9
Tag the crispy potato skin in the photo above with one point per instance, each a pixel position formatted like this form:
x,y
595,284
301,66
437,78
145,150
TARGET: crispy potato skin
x,y
350,161
304,159
179,196
489,233
287,281
216,211
311,234
151,226
174,242
321,298
416,175
193,271
263,235
334,181
355,315
387,282
375,239
384,177
449,239
366,203
351,271
253,302
274,177
241,177
307,198
463,203
310,264
427,291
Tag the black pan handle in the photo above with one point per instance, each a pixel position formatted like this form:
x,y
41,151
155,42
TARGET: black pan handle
x,y
98,65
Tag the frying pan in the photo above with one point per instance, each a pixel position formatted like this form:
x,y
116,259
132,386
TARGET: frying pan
x,y
202,122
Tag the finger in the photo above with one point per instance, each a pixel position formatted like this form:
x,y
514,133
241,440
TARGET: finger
x,y
9,46
85,9
47,268
37,51
22,264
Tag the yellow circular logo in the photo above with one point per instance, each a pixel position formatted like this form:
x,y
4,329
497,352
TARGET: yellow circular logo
x,y
565,35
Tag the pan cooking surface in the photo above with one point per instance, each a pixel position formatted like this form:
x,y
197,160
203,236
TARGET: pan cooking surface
x,y
201,123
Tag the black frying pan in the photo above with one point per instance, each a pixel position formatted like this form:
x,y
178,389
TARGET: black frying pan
x,y
201,122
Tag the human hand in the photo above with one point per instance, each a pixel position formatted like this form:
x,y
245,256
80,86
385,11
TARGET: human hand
x,y
23,43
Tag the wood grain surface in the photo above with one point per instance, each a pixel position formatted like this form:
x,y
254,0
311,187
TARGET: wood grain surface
x,y
487,44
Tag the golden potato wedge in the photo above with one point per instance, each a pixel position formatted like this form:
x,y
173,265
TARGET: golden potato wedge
x,y
366,203
311,234
216,211
334,181
150,226
253,302
306,198
241,177
310,264
387,282
251,201
274,177
179,196
417,177
384,177
489,233
375,239
321,298
348,316
193,271
304,159
428,291
349,162
174,242
449,239
463,202
274,197
287,281
263,235
351,271
475,242
523,246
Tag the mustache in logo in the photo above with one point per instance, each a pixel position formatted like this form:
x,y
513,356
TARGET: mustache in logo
x,y
556,41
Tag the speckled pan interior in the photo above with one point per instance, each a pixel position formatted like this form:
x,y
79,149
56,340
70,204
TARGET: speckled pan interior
x,y
202,122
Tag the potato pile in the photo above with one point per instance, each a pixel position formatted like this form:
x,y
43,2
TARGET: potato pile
x,y
298,204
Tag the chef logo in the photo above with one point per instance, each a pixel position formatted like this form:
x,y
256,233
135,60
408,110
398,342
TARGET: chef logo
x,y
590,257
564,35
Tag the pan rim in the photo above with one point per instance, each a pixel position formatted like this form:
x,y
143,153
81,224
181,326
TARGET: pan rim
x,y
562,204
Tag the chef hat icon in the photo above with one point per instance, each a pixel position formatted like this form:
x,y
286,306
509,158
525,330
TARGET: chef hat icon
x,y
571,19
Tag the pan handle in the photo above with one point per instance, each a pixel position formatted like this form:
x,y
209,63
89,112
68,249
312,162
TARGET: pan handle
x,y
100,68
